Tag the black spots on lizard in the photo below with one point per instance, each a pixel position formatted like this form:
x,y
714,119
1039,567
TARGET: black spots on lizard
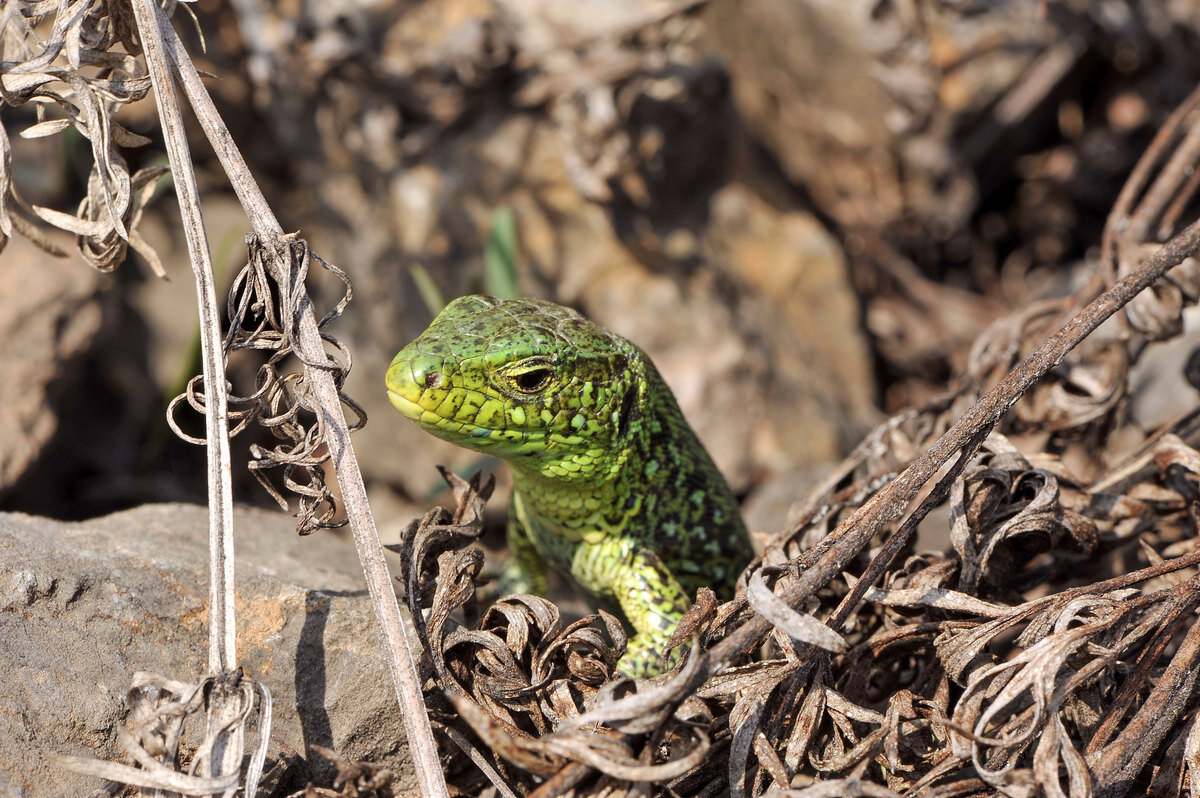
x,y
625,415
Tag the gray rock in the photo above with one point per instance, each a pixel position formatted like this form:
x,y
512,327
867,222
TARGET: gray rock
x,y
85,605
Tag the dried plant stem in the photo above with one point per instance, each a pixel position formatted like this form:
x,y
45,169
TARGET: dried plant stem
x,y
226,756
855,533
1114,722
896,543
310,349
1121,219
1116,766
222,649
1175,174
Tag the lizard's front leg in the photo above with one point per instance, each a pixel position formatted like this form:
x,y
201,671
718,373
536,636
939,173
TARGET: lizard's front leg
x,y
643,587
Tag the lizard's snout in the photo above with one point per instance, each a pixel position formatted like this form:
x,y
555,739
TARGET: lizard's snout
x,y
411,374
409,377
427,375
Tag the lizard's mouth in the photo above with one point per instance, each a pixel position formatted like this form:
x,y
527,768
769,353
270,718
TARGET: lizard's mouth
x,y
435,422
465,433
407,407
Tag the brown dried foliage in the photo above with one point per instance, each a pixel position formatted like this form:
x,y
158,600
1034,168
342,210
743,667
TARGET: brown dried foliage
x,y
161,712
261,314
79,77
76,79
1049,649
64,57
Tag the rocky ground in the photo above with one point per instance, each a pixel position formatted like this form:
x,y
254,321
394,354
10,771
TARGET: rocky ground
x,y
84,606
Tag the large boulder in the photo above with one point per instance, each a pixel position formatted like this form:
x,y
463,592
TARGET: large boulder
x,y
83,606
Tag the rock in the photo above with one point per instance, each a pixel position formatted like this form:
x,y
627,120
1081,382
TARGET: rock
x,y
800,314
85,605
874,110
49,313
767,510
1159,387
803,81
168,307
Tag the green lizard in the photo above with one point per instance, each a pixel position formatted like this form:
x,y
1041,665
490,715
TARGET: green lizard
x,y
612,488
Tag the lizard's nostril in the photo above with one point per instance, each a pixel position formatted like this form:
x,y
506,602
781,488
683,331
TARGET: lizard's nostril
x,y
427,372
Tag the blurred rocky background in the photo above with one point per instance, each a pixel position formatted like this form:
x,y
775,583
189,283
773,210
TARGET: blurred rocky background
x,y
804,210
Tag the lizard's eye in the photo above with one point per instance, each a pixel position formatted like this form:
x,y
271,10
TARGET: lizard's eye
x,y
533,380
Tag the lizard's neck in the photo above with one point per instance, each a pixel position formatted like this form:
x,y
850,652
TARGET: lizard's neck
x,y
602,488
579,500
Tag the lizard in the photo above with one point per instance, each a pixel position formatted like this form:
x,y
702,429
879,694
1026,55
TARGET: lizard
x,y
611,486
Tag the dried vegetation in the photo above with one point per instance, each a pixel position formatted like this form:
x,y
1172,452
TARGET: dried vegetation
x,y
1045,646
1049,649
65,58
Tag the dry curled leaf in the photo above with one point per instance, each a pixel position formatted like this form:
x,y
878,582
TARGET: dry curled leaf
x,y
263,317
159,712
538,692
977,659
73,72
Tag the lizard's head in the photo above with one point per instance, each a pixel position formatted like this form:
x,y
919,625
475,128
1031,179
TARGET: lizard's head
x,y
522,379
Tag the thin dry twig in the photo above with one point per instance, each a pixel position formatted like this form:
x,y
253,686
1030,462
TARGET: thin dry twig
x,y
321,395
88,88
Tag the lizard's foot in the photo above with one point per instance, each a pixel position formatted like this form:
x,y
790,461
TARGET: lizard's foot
x,y
643,657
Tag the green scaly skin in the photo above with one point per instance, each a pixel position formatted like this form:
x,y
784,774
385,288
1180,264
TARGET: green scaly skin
x,y
612,488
